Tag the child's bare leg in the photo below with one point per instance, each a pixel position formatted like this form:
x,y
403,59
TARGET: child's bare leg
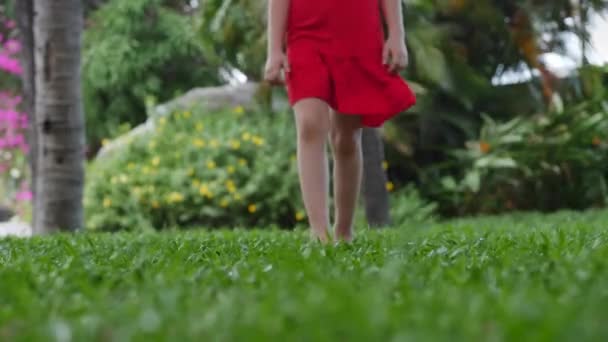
x,y
348,164
312,122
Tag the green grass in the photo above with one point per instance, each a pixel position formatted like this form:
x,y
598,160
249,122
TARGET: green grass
x,y
523,277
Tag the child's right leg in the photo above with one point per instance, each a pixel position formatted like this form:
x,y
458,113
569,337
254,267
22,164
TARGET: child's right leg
x,y
312,122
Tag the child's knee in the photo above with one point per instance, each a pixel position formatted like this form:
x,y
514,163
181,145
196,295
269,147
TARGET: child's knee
x,y
310,130
312,117
345,142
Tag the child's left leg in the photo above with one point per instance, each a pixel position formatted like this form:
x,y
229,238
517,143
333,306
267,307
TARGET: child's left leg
x,y
348,163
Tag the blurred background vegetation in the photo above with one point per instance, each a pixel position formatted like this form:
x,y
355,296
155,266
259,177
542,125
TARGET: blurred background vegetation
x,y
496,129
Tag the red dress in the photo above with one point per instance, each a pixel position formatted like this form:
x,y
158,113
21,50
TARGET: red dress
x,y
334,48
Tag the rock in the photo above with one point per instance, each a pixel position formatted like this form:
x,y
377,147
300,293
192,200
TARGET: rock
x,y
212,99
5,214
15,228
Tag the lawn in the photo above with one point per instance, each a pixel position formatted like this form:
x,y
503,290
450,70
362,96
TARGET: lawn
x,y
521,277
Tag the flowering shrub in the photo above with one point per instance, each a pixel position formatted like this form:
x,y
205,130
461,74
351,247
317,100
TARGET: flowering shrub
x,y
13,145
223,169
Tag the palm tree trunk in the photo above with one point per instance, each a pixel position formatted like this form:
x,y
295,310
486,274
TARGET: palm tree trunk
x,y
59,112
25,20
375,195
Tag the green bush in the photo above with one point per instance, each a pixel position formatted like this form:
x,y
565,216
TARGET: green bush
x,y
135,49
234,34
200,169
552,161
407,205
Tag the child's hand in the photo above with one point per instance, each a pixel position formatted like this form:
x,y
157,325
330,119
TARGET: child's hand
x,y
275,63
395,54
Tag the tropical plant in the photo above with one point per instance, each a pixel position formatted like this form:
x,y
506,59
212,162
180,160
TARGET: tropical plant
x,y
553,161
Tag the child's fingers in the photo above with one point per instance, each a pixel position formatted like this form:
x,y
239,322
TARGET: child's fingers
x,y
286,66
385,54
403,62
394,62
272,76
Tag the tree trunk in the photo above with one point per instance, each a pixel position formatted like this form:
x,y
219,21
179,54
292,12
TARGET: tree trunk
x,y
25,20
58,28
375,194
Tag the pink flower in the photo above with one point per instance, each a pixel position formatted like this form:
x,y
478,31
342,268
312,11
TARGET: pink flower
x,y
12,46
10,65
24,196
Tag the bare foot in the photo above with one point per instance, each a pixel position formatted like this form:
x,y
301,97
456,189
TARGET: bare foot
x,y
319,236
344,235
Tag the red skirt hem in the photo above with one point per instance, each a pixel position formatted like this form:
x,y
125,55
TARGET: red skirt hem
x,y
350,85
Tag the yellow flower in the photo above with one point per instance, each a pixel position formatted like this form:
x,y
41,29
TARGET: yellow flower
x,y
196,183
175,197
156,161
131,166
239,110
258,140
187,114
204,191
252,208
214,143
237,197
230,186
155,204
246,136
162,121
390,186
230,169
107,202
385,165
242,162
152,144
198,142
145,170
300,216
211,165
224,203
104,142
199,127
235,144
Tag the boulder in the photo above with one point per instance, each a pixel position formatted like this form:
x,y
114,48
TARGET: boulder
x,y
15,228
211,99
